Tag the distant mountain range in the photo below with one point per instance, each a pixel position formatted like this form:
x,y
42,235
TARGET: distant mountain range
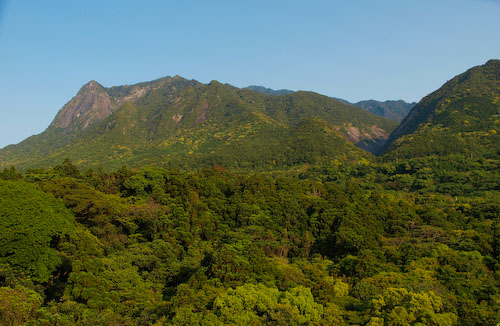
x,y
269,91
392,110
184,123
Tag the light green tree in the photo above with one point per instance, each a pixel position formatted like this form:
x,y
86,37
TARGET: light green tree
x,y
400,307
31,226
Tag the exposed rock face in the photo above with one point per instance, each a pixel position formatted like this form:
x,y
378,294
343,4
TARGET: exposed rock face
x,y
370,139
202,113
177,118
92,103
95,102
87,108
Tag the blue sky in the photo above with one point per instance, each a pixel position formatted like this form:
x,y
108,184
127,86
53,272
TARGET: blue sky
x,y
352,49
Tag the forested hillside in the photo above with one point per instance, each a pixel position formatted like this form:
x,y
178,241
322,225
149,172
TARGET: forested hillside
x,y
462,117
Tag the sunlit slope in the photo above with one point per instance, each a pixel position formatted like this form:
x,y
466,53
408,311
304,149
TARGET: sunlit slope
x,y
462,117
176,122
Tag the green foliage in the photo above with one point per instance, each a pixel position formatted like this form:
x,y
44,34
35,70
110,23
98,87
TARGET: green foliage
x,y
110,283
364,244
398,306
258,305
31,225
18,306
10,174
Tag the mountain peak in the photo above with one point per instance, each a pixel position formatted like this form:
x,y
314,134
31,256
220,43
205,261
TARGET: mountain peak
x,y
91,103
492,62
91,86
214,83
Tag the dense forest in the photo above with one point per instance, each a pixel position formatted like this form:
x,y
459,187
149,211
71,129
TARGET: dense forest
x,y
414,242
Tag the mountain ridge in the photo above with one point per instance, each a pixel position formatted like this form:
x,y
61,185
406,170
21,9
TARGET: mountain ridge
x,y
394,110
176,121
269,91
463,112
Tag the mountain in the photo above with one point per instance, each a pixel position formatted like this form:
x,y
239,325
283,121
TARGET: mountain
x,y
184,123
92,104
269,91
462,117
392,110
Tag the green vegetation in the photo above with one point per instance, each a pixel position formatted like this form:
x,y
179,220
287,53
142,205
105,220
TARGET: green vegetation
x,y
290,224
392,110
462,117
32,224
175,122
269,91
407,243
